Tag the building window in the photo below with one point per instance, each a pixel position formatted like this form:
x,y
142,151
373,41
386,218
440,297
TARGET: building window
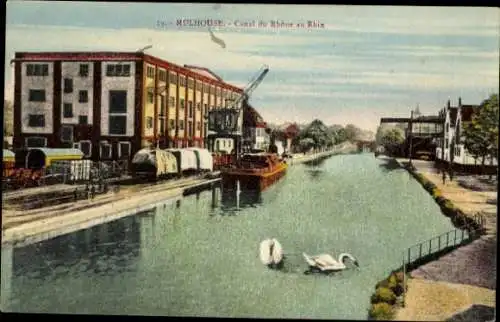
x,y
190,128
117,101
66,133
171,124
198,126
172,78
117,124
149,122
83,119
37,70
182,81
171,101
190,83
68,85
182,103
124,150
67,110
162,126
83,96
84,70
106,150
446,144
205,109
118,70
206,128
190,109
86,148
36,120
36,142
37,95
151,96
162,76
163,108
181,124
150,72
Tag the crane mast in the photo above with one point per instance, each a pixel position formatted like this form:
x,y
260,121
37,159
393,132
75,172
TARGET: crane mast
x,y
224,121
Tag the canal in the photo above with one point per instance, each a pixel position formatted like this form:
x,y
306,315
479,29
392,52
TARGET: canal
x,y
189,258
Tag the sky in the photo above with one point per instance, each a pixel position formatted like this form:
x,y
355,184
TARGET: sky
x,y
367,62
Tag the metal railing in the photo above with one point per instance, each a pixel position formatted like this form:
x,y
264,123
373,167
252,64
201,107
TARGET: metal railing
x,y
473,228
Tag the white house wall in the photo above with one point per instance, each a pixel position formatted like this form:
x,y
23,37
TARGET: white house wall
x,y
72,70
37,82
118,83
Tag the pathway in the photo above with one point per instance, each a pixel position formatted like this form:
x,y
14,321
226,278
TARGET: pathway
x,y
463,277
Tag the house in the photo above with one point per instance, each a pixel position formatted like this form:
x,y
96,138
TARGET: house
x,y
286,133
255,134
112,104
454,120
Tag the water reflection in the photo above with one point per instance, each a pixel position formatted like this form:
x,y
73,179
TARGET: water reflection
x,y
233,200
109,250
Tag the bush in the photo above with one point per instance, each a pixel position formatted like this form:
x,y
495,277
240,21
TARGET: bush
x,y
436,193
381,311
382,283
384,294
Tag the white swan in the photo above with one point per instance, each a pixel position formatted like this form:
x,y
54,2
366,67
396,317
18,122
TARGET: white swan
x,y
326,262
271,252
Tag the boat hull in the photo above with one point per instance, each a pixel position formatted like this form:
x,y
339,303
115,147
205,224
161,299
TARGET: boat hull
x,y
251,181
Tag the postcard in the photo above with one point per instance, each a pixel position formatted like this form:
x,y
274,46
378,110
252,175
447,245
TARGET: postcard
x,y
250,160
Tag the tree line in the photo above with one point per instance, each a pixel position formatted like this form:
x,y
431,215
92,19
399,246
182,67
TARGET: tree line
x,y
317,135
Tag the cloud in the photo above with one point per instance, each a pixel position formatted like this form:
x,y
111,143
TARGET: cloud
x,y
315,70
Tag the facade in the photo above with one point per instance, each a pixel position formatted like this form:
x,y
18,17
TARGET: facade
x,y
112,104
454,122
255,135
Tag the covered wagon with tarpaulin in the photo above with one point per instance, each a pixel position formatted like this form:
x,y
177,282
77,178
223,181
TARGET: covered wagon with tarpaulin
x,y
186,160
154,163
38,158
204,159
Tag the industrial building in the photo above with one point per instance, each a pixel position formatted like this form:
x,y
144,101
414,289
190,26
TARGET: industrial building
x,y
112,104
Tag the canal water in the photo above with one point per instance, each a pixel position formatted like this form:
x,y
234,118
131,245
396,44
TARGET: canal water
x,y
189,258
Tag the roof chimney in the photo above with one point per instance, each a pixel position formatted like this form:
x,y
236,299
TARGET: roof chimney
x,y
459,102
448,105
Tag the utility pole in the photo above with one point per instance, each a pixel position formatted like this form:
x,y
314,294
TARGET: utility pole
x,y
410,130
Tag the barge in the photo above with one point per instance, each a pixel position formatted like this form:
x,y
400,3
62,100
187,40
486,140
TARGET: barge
x,y
254,171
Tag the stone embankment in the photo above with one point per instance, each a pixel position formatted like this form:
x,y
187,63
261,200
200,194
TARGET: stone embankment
x,y
343,148
25,227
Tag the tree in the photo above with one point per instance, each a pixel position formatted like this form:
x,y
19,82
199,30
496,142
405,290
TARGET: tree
x,y
8,118
391,138
352,132
481,134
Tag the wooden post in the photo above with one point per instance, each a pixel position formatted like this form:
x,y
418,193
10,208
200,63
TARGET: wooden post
x,y
447,238
439,243
430,246
420,251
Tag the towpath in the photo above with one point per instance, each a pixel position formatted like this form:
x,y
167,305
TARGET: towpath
x,y
463,277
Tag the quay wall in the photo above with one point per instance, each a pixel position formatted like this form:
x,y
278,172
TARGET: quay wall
x,y
45,229
337,149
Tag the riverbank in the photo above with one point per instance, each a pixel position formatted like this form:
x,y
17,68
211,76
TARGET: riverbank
x,y
344,148
465,276
26,227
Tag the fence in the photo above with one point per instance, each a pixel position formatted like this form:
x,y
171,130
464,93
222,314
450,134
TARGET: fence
x,y
418,254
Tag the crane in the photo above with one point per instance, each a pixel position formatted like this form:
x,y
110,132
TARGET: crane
x,y
225,119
